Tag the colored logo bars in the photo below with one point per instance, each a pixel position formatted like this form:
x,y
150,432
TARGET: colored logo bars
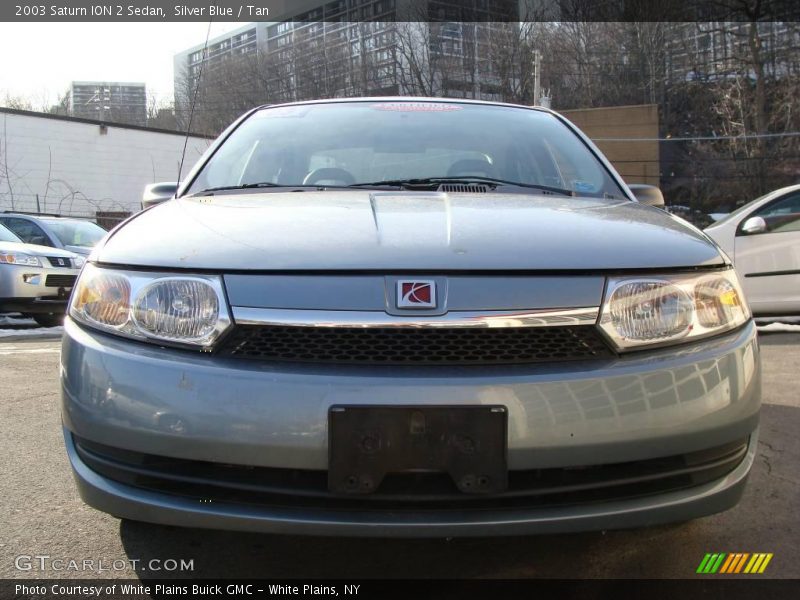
x,y
735,562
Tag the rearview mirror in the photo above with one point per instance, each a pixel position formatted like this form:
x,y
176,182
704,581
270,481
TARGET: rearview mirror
x,y
754,225
649,195
156,193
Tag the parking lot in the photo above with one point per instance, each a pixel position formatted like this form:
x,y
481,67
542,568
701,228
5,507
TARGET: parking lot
x,y
41,514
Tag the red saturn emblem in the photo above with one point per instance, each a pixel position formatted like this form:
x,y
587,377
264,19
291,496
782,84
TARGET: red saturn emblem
x,y
416,294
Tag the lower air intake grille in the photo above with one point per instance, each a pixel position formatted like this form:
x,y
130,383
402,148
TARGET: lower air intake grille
x,y
60,281
418,346
410,492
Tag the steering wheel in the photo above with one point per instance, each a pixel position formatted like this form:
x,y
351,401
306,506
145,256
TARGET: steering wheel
x,y
471,166
329,174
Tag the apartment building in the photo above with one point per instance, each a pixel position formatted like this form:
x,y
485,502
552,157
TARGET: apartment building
x,y
359,47
713,50
112,101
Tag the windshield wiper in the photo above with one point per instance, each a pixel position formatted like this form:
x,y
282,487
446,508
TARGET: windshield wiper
x,y
467,179
246,186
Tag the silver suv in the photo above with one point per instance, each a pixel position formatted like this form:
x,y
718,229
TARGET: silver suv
x,y
35,280
409,317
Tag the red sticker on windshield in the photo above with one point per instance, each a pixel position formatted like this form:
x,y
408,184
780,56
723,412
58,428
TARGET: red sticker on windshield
x,y
416,106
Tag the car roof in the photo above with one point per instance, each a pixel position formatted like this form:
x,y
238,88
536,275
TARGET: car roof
x,y
426,99
787,189
42,216
8,213
769,196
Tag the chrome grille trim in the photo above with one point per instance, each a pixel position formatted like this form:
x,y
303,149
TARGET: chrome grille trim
x,y
484,319
60,261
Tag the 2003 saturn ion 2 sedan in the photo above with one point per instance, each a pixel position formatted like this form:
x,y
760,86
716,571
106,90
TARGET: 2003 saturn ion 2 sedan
x,y
405,317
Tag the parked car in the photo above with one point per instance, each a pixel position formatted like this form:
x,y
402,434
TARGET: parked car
x,y
763,240
35,280
408,317
75,235
696,217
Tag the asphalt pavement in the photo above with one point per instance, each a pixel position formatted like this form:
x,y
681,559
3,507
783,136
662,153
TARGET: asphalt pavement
x,y
41,514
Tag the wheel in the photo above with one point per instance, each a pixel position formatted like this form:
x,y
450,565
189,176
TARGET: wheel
x,y
49,320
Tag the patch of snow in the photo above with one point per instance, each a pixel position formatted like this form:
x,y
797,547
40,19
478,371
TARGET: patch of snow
x,y
8,320
765,320
779,328
32,332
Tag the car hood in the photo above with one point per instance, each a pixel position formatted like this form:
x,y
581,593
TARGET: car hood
x,y
82,250
390,231
35,249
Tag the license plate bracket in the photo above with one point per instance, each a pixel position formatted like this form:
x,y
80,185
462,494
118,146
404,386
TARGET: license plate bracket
x,y
365,443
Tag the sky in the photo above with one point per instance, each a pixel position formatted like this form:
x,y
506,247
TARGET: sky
x,y
41,59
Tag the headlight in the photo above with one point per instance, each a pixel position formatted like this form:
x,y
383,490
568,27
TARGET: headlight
x,y
79,261
645,311
19,258
177,309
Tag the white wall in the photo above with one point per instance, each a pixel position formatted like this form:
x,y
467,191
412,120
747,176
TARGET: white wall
x,y
76,169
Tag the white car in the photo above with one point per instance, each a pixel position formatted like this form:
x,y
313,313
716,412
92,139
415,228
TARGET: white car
x,y
763,240
36,280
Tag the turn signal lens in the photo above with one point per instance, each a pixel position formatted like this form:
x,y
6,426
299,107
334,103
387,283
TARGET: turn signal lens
x,y
718,302
19,258
103,298
185,310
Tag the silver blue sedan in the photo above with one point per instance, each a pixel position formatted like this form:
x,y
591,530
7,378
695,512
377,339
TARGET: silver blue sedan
x,y
408,317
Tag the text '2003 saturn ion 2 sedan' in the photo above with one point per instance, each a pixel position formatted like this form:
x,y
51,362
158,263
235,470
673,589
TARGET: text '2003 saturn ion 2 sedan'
x,y
399,317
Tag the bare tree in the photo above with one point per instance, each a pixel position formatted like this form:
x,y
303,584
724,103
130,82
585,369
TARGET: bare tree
x,y
644,44
62,104
420,57
512,52
753,94
17,102
320,62
210,98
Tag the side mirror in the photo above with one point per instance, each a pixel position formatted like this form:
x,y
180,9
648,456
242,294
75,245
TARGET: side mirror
x,y
649,195
754,225
156,193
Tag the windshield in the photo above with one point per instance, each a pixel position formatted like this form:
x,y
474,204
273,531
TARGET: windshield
x,y
358,143
76,233
7,236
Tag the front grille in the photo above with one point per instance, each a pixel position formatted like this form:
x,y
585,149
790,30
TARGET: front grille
x,y
298,488
60,281
415,346
58,261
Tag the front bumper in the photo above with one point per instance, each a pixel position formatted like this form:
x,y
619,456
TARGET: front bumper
x,y
35,289
207,408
